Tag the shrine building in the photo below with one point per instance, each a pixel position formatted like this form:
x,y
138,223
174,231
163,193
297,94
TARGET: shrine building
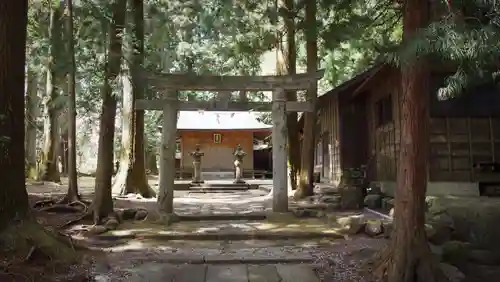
x,y
218,134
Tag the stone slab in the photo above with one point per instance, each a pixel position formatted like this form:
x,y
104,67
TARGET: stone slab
x,y
272,258
193,258
190,273
225,216
227,273
296,273
263,273
152,272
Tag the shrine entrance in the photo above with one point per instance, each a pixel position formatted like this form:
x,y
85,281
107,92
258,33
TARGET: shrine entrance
x,y
170,85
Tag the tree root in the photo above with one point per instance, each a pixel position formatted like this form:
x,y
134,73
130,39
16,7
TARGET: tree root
x,y
26,240
65,204
422,267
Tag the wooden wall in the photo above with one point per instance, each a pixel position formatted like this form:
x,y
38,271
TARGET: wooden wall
x,y
384,135
457,144
463,131
218,156
328,137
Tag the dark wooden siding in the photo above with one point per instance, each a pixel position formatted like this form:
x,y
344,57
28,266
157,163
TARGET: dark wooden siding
x,y
329,139
463,131
384,136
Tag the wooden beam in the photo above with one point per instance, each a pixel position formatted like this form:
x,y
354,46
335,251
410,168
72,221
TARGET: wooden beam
x,y
221,106
192,82
279,141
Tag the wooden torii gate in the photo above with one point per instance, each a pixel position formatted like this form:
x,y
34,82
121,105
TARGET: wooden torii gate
x,y
171,84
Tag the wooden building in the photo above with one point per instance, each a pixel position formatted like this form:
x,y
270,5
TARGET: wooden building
x,y
218,134
359,124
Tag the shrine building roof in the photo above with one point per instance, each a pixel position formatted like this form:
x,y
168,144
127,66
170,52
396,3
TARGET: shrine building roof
x,y
208,120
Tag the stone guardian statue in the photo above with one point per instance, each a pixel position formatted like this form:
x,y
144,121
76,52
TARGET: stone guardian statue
x,y
239,154
197,154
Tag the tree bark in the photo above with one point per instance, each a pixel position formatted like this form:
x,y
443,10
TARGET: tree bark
x,y
131,177
14,198
49,164
72,194
306,179
103,201
409,258
63,152
18,231
286,64
31,126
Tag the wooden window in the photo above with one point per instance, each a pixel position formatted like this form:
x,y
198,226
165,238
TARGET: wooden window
x,y
383,109
217,138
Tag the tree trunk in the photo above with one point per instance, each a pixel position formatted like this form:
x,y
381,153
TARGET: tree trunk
x,y
49,165
103,201
63,152
409,258
31,126
70,160
286,64
18,231
306,178
131,177
13,199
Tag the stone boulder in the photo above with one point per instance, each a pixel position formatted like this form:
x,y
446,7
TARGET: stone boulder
x,y
474,219
484,257
439,228
351,225
387,203
452,273
374,227
351,197
387,227
456,252
373,201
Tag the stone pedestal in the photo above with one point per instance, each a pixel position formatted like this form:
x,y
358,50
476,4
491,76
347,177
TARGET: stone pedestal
x,y
197,173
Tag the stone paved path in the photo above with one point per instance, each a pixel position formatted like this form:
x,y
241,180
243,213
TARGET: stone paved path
x,y
140,258
214,261
160,272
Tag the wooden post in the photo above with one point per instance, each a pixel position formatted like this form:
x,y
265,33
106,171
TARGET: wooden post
x,y
279,135
167,155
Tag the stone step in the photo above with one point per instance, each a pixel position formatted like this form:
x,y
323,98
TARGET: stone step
x,y
233,236
225,185
228,216
198,191
228,272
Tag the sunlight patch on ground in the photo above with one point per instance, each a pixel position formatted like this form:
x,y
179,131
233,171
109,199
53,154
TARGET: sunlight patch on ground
x,y
215,227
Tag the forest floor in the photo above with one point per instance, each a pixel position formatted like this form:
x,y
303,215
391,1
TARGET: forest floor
x,y
302,250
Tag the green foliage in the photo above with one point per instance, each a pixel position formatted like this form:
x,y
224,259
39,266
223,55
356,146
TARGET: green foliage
x,y
209,36
354,33
466,37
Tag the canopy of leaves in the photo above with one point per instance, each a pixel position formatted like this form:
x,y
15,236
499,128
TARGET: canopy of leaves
x,y
466,35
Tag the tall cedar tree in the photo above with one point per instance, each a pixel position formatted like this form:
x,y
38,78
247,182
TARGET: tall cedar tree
x,y
18,230
103,202
131,176
308,141
409,258
14,198
72,194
